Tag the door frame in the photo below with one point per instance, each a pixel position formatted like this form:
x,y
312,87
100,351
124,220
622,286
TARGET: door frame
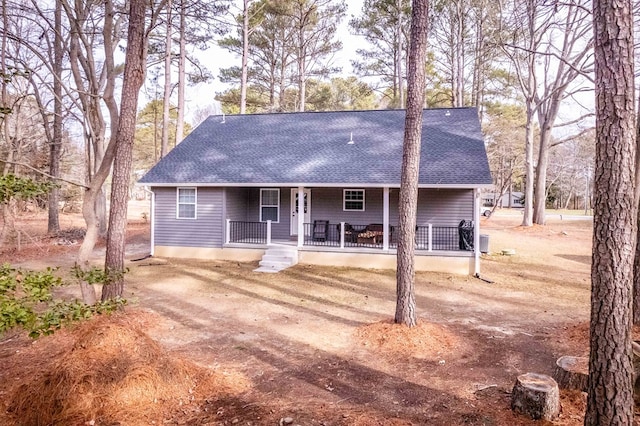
x,y
293,217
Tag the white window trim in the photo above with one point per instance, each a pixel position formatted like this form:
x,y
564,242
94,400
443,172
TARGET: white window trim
x,y
344,200
195,203
277,206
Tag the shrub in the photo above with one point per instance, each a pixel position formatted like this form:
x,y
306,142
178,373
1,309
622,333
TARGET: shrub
x,y
26,300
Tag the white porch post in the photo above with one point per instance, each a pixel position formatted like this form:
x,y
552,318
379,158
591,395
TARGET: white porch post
x,y
476,231
227,237
341,235
385,218
300,216
268,232
152,218
430,238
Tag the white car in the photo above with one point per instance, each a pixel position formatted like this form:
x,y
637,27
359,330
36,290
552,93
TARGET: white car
x,y
485,211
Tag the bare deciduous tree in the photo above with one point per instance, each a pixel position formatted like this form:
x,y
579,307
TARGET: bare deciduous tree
x,y
550,49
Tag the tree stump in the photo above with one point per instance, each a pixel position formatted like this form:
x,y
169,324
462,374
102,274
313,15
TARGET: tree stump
x,y
572,372
536,395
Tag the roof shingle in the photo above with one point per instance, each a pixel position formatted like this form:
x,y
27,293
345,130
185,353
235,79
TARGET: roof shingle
x,y
312,149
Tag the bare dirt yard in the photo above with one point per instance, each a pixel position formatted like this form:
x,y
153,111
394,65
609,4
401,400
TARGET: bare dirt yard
x,y
309,345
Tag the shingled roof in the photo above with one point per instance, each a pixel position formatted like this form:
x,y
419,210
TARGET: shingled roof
x,y
314,149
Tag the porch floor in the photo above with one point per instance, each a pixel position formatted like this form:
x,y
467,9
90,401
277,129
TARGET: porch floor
x,y
421,251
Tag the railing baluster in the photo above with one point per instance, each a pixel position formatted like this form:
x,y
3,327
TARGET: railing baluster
x,y
430,237
246,232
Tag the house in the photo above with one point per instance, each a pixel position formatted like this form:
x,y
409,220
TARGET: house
x,y
510,199
231,189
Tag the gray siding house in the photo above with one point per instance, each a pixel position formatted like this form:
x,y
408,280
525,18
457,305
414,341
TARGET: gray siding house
x,y
230,190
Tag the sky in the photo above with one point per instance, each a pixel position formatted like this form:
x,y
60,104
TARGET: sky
x,y
214,58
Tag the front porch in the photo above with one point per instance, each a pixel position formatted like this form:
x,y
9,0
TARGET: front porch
x,y
438,248
341,236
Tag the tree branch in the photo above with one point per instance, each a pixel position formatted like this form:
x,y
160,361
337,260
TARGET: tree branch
x,y
572,137
16,163
577,120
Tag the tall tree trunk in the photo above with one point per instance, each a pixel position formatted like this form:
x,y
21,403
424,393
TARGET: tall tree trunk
x,y
101,212
302,62
88,79
610,395
405,273
4,99
132,81
110,31
90,238
636,262
53,223
540,186
7,215
477,94
457,59
91,199
302,84
245,56
166,101
527,217
395,76
182,80
399,49
282,79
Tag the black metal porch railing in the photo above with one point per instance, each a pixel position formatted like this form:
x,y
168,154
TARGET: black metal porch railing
x,y
434,238
443,238
329,235
247,232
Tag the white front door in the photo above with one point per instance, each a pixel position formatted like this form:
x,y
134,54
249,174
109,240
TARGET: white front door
x,y
295,209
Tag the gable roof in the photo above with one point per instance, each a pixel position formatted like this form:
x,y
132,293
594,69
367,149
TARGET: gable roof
x,y
312,149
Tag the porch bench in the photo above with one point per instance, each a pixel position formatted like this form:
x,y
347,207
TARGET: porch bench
x,y
372,234
370,237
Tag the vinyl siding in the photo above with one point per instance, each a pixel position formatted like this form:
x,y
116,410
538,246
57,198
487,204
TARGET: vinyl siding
x,y
444,207
326,204
281,229
236,203
204,231
440,207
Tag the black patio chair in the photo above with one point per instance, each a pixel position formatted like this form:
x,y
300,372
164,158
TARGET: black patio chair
x,y
350,234
320,230
465,235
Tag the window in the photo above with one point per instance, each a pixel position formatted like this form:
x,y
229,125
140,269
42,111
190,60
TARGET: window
x,y
186,203
270,205
353,199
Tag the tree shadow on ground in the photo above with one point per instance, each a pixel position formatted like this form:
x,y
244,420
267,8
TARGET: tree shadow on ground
x,y
334,381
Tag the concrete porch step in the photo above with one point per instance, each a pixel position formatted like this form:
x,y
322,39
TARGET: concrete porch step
x,y
289,258
276,263
277,258
279,251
